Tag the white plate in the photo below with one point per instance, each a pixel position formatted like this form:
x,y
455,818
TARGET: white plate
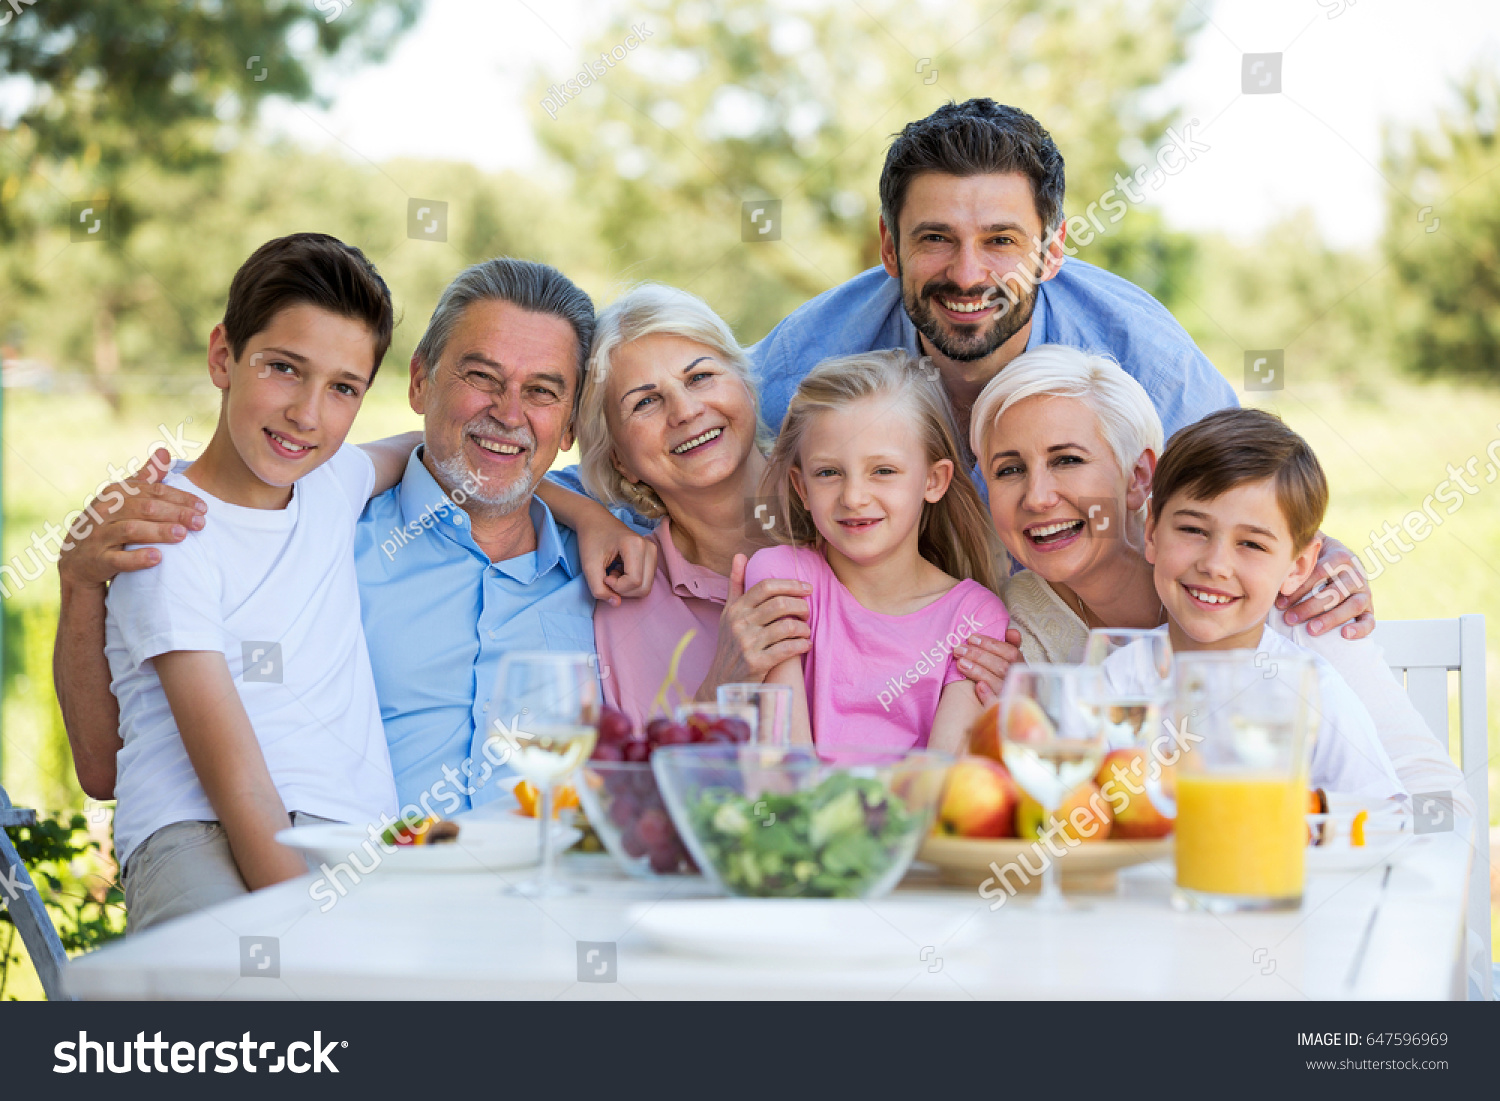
x,y
1387,832
822,930
483,845
1343,857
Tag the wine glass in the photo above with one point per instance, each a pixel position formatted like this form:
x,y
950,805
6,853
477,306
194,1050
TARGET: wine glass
x,y
1137,685
545,712
1052,739
772,704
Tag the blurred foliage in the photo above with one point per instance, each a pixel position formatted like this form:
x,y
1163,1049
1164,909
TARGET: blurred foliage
x,y
734,100
76,883
131,105
1442,236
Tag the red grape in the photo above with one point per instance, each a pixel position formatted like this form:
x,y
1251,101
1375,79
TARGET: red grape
x,y
664,860
655,728
654,828
604,751
632,844
614,727
637,751
623,810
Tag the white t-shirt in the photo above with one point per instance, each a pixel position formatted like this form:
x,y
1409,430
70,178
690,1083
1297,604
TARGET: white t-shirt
x,y
1052,631
1347,754
275,592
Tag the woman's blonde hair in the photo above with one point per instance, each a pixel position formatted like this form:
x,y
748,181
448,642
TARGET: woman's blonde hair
x,y
1128,420
645,310
955,533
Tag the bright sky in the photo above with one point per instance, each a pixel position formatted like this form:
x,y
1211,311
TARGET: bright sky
x,y
453,89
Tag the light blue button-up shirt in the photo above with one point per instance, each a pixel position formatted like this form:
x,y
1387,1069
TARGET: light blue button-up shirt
x,y
439,615
1082,306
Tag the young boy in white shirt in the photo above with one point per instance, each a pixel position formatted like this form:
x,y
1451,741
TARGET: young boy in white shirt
x,y
1236,503
246,698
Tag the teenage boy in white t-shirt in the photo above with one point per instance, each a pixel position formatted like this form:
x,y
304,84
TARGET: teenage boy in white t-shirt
x,y
246,698
1236,503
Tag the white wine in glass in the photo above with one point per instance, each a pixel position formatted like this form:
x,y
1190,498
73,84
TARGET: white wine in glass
x,y
1052,738
545,712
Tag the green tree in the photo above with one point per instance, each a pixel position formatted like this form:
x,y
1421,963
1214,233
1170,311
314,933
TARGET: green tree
x,y
1442,236
128,97
736,100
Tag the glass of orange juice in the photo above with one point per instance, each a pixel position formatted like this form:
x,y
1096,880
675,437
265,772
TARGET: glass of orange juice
x,y
1244,738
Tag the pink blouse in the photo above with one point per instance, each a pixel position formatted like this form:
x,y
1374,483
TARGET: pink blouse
x,y
635,641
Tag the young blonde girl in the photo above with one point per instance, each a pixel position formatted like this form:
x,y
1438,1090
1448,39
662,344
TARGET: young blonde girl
x,y
874,510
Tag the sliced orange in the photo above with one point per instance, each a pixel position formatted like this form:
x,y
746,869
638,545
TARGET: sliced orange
x,y
1357,829
564,798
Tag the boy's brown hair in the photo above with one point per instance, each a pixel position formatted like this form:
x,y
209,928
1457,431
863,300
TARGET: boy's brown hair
x,y
1233,447
308,269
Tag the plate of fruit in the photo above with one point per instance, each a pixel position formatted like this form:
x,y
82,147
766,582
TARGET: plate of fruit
x,y
426,845
1105,824
1347,835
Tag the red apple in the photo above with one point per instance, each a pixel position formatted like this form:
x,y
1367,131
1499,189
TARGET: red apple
x,y
984,735
1122,777
980,800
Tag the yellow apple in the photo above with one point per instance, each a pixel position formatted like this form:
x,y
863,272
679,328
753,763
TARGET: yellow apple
x,y
1122,779
1096,821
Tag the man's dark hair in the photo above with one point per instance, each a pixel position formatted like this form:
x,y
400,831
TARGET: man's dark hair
x,y
1234,447
308,269
973,138
538,288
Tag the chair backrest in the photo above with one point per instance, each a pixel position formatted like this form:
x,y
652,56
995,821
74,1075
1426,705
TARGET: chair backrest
x,y
1422,652
27,910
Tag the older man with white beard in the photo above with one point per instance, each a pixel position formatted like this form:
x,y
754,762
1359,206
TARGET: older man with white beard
x,y
458,563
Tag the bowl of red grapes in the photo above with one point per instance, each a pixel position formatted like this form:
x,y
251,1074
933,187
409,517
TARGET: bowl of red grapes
x,y
619,794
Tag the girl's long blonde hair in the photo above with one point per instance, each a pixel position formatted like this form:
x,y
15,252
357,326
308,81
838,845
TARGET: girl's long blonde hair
x,y
955,533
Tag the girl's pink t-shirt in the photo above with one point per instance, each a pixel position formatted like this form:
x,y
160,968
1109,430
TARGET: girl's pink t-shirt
x,y
873,680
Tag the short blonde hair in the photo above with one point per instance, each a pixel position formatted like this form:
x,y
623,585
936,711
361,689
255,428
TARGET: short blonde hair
x,y
955,534
645,310
1128,420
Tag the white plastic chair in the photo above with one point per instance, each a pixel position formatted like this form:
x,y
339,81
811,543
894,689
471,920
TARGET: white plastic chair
x,y
1423,652
26,909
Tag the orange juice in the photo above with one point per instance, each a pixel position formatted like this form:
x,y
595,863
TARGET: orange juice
x,y
1241,834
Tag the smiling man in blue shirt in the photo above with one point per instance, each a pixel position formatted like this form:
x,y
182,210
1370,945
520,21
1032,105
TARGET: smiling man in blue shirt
x,y
973,272
458,563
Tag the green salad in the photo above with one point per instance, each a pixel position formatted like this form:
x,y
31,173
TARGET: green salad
x,y
832,841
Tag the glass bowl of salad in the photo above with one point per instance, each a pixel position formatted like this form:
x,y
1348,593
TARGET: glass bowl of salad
x,y
784,822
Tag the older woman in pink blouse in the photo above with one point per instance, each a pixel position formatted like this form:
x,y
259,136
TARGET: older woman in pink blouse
x,y
668,424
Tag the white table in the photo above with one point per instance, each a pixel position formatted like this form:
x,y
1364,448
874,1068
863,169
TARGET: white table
x,y
458,936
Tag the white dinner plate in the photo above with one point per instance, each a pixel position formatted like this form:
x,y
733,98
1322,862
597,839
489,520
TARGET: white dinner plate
x,y
806,929
482,845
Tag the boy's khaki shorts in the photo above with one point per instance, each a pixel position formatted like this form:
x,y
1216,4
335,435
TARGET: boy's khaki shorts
x,y
183,868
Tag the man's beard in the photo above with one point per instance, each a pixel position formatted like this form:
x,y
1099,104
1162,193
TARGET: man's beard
x,y
463,485
976,342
